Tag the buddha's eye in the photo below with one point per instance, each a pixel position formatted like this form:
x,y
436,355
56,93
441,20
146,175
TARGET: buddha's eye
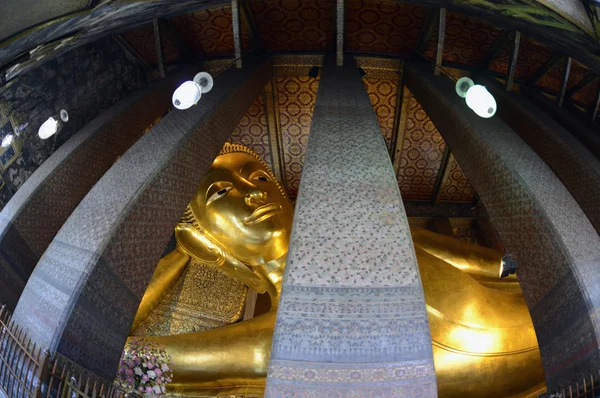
x,y
219,192
259,176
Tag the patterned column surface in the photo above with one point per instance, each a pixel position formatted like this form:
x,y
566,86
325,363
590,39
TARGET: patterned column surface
x,y
33,216
83,295
352,319
556,246
573,163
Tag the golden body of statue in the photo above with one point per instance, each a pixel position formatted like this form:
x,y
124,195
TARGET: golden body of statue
x,y
240,221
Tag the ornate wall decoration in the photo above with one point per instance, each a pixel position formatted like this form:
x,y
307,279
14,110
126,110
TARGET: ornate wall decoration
x,y
209,31
252,131
84,81
532,57
467,40
297,96
587,95
383,97
456,186
294,25
143,42
422,152
382,26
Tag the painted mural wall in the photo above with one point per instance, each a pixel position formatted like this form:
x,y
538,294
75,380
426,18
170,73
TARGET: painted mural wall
x,y
84,81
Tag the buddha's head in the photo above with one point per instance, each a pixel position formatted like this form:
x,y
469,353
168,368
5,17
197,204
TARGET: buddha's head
x,y
243,208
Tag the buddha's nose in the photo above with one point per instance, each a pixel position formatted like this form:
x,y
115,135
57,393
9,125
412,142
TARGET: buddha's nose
x,y
256,197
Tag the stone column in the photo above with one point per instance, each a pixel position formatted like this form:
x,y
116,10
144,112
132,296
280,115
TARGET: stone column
x,y
571,161
83,295
556,246
33,216
352,318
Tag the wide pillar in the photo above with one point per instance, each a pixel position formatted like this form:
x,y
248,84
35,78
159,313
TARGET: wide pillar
x,y
33,216
556,246
352,320
83,295
571,161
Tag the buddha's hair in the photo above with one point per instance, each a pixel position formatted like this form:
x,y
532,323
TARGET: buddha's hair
x,y
188,216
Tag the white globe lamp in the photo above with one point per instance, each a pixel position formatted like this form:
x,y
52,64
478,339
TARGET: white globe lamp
x,y
190,92
478,98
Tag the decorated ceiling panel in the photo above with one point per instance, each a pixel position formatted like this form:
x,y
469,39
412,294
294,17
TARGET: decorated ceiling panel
x,y
252,131
142,40
295,25
383,97
455,185
382,27
467,40
587,95
552,80
422,152
296,101
209,31
532,57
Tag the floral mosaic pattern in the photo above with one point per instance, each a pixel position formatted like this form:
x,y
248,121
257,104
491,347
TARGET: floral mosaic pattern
x,y
352,296
456,187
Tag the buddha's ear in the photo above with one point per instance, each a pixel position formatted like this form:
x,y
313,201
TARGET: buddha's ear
x,y
198,245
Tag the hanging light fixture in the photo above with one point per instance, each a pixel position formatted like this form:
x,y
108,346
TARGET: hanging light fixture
x,y
52,125
477,97
7,140
190,92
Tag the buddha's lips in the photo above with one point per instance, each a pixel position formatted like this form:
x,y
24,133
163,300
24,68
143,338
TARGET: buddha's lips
x,y
262,213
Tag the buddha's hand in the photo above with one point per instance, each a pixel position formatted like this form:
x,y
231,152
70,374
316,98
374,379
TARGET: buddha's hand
x,y
200,246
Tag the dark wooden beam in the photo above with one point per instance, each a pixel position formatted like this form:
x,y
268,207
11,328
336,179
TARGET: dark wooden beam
x,y
274,131
442,175
514,56
339,33
237,34
597,105
495,49
439,49
171,32
158,44
565,82
587,80
544,69
248,19
426,31
397,117
131,51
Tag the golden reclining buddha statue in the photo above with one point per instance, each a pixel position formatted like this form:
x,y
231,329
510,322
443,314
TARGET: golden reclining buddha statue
x,y
234,237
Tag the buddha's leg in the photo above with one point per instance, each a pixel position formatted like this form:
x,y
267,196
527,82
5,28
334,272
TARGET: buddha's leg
x,y
231,359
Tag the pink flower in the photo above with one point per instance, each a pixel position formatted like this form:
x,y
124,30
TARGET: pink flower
x,y
131,363
158,372
141,389
168,379
129,372
149,390
145,378
150,365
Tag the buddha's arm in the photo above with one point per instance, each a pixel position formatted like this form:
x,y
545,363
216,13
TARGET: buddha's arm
x,y
481,263
167,271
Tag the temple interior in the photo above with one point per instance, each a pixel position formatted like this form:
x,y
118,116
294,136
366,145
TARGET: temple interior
x,y
284,198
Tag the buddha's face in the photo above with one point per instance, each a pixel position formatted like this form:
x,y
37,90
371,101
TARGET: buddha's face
x,y
242,209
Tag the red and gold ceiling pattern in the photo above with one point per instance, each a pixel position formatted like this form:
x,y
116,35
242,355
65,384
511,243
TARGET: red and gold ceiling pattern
x,y
422,152
382,26
296,101
383,97
210,31
252,131
532,57
295,25
142,40
552,80
456,186
587,95
467,40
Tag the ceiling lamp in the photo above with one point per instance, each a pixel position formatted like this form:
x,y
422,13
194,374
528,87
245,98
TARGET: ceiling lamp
x,y
189,93
478,98
7,140
52,125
